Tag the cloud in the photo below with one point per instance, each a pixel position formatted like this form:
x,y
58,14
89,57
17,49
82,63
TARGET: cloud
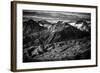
x,y
41,14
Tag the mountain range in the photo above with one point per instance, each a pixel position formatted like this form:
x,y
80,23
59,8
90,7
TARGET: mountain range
x,y
43,32
44,41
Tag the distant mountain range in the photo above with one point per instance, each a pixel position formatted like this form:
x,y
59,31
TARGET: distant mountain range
x,y
43,32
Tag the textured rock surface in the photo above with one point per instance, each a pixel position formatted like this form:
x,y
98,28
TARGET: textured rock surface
x,y
61,41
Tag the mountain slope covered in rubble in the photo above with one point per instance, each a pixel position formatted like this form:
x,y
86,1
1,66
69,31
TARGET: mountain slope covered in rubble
x,y
44,41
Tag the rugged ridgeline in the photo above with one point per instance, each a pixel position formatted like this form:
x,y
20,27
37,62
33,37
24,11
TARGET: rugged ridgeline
x,y
44,41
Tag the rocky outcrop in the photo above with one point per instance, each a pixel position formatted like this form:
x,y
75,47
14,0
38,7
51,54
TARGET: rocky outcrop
x,y
61,41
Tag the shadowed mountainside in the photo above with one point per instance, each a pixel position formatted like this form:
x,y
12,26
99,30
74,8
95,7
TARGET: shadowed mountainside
x,y
44,41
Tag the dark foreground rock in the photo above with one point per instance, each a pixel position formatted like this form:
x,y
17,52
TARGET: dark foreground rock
x,y
65,50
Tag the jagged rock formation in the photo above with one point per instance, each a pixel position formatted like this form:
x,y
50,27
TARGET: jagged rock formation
x,y
44,41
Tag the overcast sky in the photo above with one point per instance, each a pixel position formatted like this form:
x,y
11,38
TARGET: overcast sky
x,y
54,15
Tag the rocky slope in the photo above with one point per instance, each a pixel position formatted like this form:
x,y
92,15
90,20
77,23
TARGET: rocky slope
x,y
53,42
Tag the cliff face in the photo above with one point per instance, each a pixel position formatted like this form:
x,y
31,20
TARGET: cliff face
x,y
44,41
